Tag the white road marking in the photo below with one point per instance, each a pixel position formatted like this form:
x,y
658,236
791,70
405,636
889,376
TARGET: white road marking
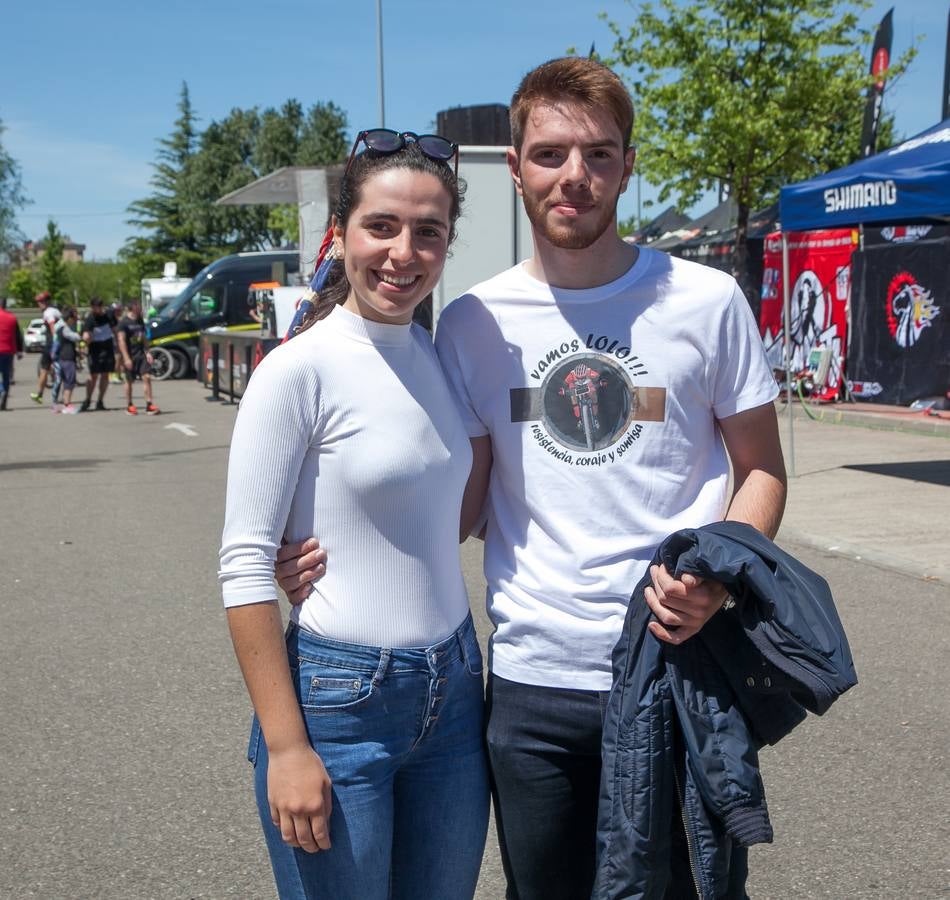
x,y
186,430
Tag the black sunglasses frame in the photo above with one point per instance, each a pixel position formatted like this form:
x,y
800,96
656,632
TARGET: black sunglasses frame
x,y
403,137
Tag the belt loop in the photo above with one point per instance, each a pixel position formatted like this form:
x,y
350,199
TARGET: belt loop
x,y
384,658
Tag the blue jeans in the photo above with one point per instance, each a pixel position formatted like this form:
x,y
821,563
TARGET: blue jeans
x,y
401,735
6,372
544,744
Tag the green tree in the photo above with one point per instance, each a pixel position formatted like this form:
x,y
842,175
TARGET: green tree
x,y
278,137
12,198
23,287
109,280
745,94
181,218
323,136
223,163
163,215
284,220
53,276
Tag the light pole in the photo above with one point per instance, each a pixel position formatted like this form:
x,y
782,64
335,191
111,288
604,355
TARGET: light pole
x,y
379,53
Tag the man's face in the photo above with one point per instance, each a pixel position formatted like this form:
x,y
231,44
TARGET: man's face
x,y
570,172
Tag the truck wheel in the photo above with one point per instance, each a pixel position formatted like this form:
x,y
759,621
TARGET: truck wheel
x,y
163,363
181,364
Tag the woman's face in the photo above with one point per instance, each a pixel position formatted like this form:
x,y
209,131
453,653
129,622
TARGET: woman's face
x,y
394,244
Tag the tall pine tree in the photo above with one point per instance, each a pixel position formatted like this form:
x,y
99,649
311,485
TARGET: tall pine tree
x,y
181,219
164,214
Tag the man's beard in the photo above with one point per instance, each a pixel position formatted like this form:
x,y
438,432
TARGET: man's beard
x,y
578,234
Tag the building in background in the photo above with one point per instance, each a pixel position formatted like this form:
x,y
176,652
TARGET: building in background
x,y
32,251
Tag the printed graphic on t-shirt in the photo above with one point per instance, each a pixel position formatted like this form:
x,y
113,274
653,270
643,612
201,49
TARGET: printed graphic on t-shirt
x,y
587,401
134,335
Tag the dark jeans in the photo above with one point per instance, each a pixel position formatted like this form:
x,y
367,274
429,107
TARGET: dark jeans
x,y
6,372
544,746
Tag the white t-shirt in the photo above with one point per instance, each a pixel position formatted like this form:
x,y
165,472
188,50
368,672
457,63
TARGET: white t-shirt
x,y
602,406
349,432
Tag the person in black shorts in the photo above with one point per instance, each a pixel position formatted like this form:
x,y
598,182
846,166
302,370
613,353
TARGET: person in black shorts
x,y
135,358
97,333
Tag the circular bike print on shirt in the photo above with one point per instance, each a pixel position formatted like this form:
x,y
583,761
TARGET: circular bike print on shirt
x,y
587,402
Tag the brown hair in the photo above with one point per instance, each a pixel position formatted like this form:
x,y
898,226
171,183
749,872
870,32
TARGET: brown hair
x,y
572,79
364,167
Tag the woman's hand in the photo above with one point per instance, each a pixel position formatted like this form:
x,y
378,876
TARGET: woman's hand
x,y
298,566
299,793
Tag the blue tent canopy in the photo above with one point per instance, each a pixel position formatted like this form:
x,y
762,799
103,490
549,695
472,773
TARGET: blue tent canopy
x,y
909,182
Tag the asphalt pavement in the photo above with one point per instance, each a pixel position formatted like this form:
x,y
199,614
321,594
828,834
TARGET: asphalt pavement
x,y
125,718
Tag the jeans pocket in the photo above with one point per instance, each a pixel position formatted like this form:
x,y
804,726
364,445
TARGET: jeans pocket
x,y
325,688
473,655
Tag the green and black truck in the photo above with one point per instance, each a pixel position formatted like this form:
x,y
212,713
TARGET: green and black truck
x,y
216,298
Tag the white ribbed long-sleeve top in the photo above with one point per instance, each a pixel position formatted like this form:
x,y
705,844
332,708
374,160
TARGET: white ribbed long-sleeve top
x,y
348,432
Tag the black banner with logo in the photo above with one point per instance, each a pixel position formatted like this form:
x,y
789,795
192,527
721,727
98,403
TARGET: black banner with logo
x,y
880,60
889,235
900,337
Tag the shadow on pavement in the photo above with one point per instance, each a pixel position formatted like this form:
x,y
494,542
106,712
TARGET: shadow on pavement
x,y
936,471
83,464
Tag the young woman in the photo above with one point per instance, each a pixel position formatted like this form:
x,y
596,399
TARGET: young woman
x,y
367,740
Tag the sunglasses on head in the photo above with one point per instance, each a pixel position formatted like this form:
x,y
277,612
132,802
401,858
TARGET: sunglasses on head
x,y
385,140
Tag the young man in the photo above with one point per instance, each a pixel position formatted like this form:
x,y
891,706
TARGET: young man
x,y
603,387
51,316
97,333
136,360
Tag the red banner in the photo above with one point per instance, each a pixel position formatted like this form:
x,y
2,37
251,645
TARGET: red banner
x,y
820,277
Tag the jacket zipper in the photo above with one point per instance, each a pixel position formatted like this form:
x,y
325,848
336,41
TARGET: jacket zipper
x,y
693,866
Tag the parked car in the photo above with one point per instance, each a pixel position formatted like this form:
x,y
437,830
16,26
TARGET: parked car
x,y
34,338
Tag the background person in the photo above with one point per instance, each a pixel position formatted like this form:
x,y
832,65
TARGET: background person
x,y
67,342
51,316
11,344
97,332
368,749
118,376
135,357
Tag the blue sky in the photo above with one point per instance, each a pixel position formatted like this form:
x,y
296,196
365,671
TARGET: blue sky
x,y
89,88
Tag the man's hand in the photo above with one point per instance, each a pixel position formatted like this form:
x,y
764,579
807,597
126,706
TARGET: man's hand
x,y
298,566
127,362
298,791
681,605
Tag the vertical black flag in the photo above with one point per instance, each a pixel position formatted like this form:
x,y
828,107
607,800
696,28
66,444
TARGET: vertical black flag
x,y
880,60
946,76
